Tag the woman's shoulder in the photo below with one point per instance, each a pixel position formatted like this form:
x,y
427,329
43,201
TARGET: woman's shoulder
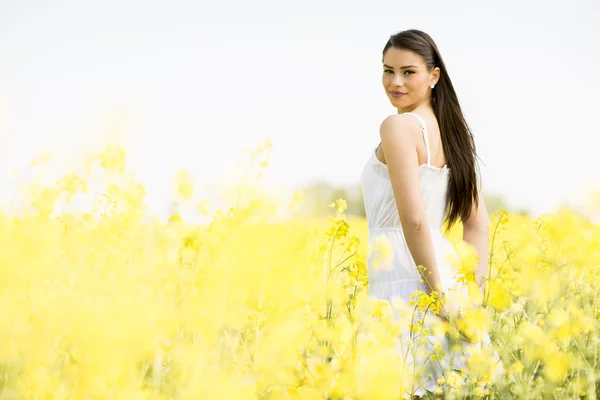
x,y
400,122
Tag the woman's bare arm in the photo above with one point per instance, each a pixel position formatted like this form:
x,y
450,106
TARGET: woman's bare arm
x,y
476,231
399,135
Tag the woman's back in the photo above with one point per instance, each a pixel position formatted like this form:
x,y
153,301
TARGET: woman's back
x,y
402,278
379,197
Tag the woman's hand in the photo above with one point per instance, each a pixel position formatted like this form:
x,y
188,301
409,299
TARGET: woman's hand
x,y
443,315
453,321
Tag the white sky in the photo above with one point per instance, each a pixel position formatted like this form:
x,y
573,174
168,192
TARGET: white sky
x,y
197,82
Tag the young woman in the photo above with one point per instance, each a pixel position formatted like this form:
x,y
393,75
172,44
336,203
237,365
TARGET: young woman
x,y
422,173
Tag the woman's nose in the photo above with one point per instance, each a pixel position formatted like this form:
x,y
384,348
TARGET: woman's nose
x,y
397,81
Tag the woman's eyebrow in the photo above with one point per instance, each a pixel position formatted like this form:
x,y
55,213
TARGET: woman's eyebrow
x,y
406,66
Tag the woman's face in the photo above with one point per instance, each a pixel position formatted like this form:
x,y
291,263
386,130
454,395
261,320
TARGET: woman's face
x,y
405,72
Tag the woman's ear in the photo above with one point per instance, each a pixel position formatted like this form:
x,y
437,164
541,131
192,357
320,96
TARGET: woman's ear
x,y
436,75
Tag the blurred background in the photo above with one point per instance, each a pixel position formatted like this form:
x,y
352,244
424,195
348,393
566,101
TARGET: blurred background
x,y
191,84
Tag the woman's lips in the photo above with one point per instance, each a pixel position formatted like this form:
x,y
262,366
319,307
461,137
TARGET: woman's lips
x,y
398,94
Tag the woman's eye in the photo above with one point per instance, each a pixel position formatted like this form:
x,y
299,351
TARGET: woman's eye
x,y
390,71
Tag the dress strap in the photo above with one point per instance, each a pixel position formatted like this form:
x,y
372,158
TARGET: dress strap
x,y
424,130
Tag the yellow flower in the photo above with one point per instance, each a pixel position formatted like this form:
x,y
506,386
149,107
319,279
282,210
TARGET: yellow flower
x,y
184,185
381,308
71,184
517,367
113,158
545,288
465,260
41,160
427,302
474,323
480,391
455,379
201,207
175,218
341,205
481,361
499,295
381,252
557,366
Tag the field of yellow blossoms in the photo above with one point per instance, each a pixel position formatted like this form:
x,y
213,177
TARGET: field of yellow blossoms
x,y
110,302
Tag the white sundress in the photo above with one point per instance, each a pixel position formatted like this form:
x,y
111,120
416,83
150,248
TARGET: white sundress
x,y
403,278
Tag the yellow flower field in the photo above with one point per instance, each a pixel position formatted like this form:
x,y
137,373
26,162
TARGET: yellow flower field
x,y
112,303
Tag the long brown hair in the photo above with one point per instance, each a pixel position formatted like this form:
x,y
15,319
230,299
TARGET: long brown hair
x,y
457,138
